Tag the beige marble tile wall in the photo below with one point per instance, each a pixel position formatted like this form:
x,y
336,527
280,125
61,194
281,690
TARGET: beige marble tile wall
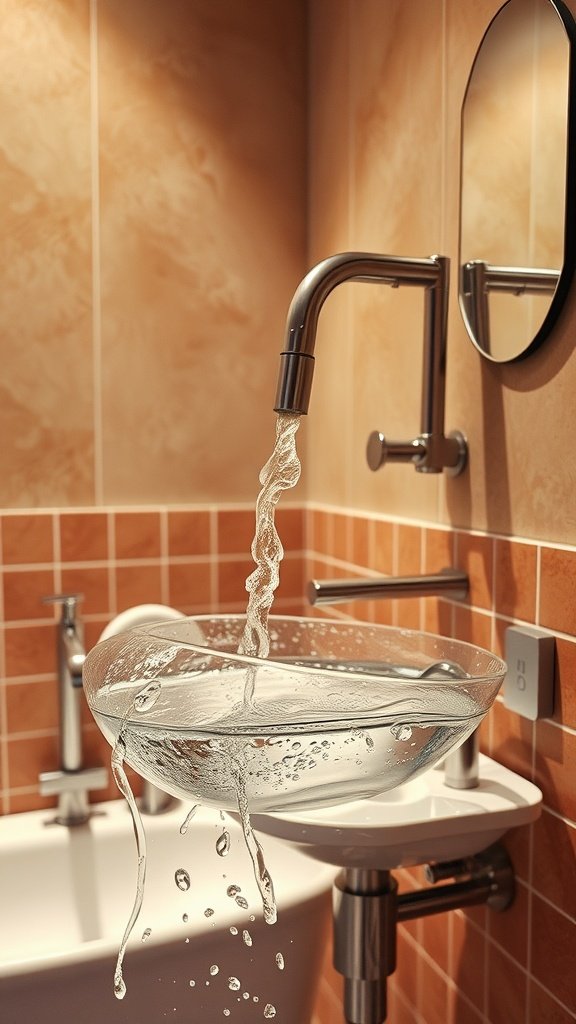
x,y
152,172
387,83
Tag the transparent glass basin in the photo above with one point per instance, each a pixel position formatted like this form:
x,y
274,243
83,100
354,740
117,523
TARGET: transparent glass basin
x,y
341,710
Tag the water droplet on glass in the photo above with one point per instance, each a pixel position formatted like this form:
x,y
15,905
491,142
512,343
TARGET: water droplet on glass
x,y
247,937
233,890
401,732
280,961
241,902
223,844
370,743
233,984
182,879
147,697
269,1010
146,934
214,970
187,820
208,912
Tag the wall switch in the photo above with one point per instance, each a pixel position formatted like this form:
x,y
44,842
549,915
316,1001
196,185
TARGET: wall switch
x,y
529,682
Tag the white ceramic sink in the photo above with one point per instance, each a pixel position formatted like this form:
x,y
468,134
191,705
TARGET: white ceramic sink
x,y
66,894
420,822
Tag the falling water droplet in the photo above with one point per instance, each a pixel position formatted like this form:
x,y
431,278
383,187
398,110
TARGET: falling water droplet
x,y
182,879
119,987
192,983
401,732
245,995
185,918
147,697
269,1011
146,934
280,961
370,743
233,984
247,937
233,890
214,970
223,844
187,820
233,930
226,1013
208,912
243,903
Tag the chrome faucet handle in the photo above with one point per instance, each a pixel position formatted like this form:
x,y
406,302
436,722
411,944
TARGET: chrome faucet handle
x,y
379,450
428,453
69,604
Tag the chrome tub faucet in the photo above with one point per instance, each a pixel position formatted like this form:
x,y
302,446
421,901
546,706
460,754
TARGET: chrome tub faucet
x,y
71,782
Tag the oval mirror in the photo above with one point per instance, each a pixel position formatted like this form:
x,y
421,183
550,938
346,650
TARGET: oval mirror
x,y
517,188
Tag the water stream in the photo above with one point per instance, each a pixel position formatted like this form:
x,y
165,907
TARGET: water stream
x,y
281,472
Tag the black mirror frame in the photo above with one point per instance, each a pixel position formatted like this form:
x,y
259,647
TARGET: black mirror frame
x,y
569,263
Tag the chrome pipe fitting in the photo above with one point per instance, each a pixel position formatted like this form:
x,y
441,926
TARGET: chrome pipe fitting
x,y
461,765
364,905
449,583
367,908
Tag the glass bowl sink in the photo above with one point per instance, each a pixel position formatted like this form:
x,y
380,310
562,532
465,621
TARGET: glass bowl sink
x,y
340,710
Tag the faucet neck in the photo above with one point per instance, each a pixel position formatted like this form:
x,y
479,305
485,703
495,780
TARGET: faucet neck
x,y
297,358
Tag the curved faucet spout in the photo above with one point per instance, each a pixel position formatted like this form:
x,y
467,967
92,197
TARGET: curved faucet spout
x,y
297,359
432,451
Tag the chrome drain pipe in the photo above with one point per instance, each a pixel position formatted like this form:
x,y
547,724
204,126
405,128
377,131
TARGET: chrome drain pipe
x,y
367,909
365,906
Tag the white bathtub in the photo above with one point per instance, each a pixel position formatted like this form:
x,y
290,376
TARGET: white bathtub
x,y
66,894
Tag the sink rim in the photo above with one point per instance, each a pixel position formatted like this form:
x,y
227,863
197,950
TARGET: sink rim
x,y
501,801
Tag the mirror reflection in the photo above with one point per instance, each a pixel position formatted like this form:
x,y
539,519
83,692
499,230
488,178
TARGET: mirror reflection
x,y
515,251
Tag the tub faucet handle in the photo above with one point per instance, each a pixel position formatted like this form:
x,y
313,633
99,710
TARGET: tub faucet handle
x,y
69,605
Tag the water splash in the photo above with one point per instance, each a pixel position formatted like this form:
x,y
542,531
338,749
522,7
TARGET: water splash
x,y
280,961
269,1011
247,937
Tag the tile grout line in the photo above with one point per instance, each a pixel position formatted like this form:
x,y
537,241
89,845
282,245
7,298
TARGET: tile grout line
x,y
96,258
164,558
4,760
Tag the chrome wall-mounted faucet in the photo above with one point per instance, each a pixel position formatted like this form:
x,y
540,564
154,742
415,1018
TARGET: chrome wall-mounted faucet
x,y
432,451
71,782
